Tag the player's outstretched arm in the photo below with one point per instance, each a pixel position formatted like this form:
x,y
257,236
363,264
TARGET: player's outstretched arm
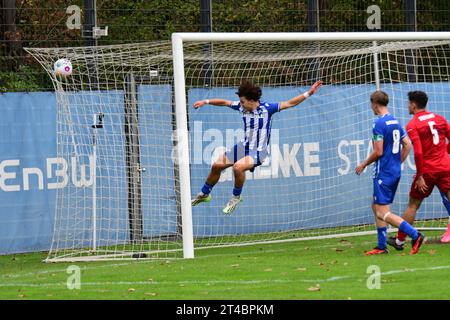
x,y
213,102
300,98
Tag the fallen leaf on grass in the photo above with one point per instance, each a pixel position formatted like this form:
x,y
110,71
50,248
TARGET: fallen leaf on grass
x,y
151,294
301,269
131,290
268,270
315,288
431,251
235,265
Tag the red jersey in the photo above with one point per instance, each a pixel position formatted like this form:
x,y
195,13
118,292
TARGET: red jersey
x,y
428,132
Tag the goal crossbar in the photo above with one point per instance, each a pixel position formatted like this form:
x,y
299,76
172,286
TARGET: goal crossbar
x,y
307,36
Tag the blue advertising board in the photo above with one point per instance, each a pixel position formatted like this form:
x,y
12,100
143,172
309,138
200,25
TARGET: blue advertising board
x,y
308,182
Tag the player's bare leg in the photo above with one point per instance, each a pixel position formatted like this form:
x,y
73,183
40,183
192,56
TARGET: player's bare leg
x,y
216,169
213,177
409,215
446,236
384,213
410,212
382,234
239,169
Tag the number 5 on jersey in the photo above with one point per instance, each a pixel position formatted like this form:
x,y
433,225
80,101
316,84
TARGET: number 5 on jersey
x,y
434,132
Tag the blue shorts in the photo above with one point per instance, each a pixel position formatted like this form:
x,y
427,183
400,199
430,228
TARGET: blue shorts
x,y
384,190
240,151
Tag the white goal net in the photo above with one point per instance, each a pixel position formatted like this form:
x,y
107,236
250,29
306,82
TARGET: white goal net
x,y
119,140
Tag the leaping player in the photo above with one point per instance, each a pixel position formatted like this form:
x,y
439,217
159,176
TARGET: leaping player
x,y
251,151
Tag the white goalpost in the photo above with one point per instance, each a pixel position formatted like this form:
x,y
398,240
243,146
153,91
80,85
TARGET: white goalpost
x,y
133,152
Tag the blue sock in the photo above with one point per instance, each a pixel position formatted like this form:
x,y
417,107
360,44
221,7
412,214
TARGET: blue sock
x,y
409,230
382,236
237,191
207,188
446,202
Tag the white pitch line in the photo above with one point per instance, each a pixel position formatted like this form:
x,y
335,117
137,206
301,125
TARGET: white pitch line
x,y
203,282
112,265
414,270
336,245
37,273
206,282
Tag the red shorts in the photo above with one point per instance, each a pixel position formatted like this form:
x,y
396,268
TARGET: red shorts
x,y
438,179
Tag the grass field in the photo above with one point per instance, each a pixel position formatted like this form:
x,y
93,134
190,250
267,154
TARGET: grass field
x,y
318,269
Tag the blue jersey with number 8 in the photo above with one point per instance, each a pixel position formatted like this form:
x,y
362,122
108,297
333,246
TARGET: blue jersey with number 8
x,y
388,129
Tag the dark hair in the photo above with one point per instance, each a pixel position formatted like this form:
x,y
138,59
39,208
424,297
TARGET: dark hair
x,y
249,90
420,98
379,97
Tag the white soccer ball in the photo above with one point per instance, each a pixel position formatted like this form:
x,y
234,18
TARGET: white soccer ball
x,y
62,68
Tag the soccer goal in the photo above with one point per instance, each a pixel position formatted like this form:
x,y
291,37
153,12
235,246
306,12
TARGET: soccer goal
x,y
133,152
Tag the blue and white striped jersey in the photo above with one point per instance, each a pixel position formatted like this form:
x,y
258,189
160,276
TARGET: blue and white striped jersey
x,y
257,124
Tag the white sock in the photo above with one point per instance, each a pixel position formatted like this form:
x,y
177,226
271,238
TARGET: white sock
x,y
399,242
